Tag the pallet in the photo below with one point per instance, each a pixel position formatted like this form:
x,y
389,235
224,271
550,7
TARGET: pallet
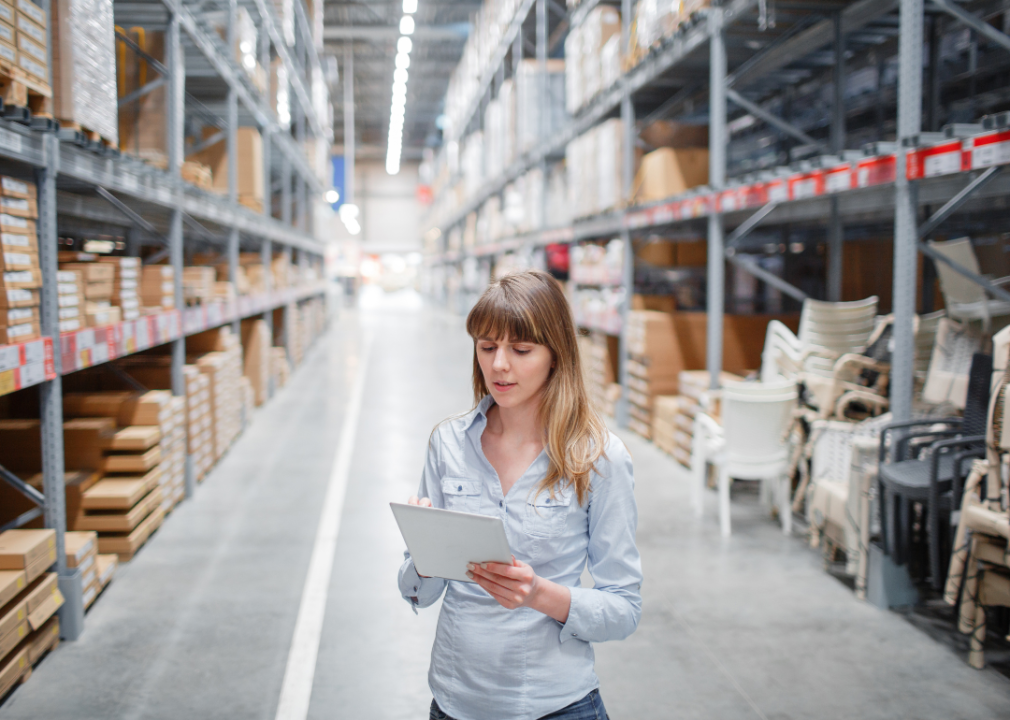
x,y
26,100
81,136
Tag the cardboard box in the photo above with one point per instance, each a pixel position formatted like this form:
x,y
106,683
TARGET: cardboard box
x,y
19,207
23,279
19,242
667,172
92,271
134,438
19,316
17,630
126,544
18,297
106,565
119,493
250,162
25,549
128,408
7,13
12,669
23,332
43,640
79,546
43,600
132,462
82,442
120,522
12,582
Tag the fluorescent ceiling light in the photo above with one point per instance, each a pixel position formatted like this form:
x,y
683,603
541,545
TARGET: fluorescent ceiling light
x,y
332,196
407,25
402,60
400,75
409,6
404,45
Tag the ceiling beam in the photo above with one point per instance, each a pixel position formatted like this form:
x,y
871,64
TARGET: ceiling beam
x,y
457,31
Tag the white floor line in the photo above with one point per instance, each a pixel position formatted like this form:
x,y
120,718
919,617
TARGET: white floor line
x,y
296,690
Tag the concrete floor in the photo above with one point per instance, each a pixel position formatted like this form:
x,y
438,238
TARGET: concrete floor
x,y
200,623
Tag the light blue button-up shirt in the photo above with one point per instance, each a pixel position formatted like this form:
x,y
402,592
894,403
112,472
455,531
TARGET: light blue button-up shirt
x,y
490,663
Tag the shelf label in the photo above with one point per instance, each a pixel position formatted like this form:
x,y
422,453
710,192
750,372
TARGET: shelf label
x,y
143,333
32,374
838,179
991,149
878,170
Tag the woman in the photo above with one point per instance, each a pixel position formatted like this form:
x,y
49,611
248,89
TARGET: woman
x,y
516,644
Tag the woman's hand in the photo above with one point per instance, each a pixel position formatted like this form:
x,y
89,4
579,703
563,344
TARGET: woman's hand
x,y
516,585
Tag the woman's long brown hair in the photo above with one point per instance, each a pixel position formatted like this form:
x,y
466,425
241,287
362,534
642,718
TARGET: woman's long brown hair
x,y
530,307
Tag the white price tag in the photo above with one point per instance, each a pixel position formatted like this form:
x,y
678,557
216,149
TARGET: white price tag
x,y
32,374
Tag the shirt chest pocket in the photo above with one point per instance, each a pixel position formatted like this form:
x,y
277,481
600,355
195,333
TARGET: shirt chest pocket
x,y
547,516
461,495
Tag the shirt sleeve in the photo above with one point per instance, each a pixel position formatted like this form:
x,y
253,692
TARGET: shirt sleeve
x,y
419,591
610,610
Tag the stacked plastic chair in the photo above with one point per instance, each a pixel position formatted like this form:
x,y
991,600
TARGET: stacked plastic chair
x,y
749,445
963,298
979,572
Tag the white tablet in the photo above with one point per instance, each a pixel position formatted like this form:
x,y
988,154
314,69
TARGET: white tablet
x,y
442,542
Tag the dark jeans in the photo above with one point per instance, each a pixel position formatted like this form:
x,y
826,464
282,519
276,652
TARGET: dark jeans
x,y
588,708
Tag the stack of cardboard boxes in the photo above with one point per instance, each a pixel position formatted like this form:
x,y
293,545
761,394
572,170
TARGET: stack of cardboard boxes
x,y
654,361
250,165
32,40
198,284
256,350
280,367
157,288
121,499
218,355
21,278
598,355
29,599
96,570
98,280
70,298
199,421
125,285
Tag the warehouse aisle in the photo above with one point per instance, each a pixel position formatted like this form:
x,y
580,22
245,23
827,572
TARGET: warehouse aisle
x,y
200,623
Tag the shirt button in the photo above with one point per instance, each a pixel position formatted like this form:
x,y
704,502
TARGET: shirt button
x,y
501,503
575,634
460,488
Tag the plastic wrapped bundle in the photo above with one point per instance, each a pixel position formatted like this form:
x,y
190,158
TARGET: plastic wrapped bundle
x,y
84,66
531,107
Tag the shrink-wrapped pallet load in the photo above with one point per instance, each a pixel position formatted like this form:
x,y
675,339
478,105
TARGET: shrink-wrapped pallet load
x,y
84,66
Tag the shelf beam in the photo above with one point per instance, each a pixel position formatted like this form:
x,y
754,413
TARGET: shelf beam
x,y
716,180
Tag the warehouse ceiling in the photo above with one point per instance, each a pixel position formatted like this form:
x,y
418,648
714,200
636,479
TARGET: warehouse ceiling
x,y
371,27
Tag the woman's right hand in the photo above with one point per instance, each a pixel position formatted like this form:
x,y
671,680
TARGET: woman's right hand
x,y
422,502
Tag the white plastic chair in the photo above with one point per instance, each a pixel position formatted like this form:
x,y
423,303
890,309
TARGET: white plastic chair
x,y
964,299
750,445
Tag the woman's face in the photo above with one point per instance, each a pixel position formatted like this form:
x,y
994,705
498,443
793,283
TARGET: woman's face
x,y
515,373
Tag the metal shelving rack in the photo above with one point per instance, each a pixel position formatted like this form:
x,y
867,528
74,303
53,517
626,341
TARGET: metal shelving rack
x,y
885,182
157,207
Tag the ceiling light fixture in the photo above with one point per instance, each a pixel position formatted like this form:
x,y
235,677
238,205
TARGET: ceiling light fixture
x,y
409,6
404,45
406,25
402,60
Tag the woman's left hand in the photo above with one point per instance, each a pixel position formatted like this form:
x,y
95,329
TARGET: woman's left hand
x,y
513,586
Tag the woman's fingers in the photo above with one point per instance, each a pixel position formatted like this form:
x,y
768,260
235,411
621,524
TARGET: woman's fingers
x,y
423,502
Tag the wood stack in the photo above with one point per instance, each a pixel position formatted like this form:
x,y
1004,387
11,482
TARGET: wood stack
x,y
29,599
157,288
654,361
665,410
681,411
125,285
19,262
